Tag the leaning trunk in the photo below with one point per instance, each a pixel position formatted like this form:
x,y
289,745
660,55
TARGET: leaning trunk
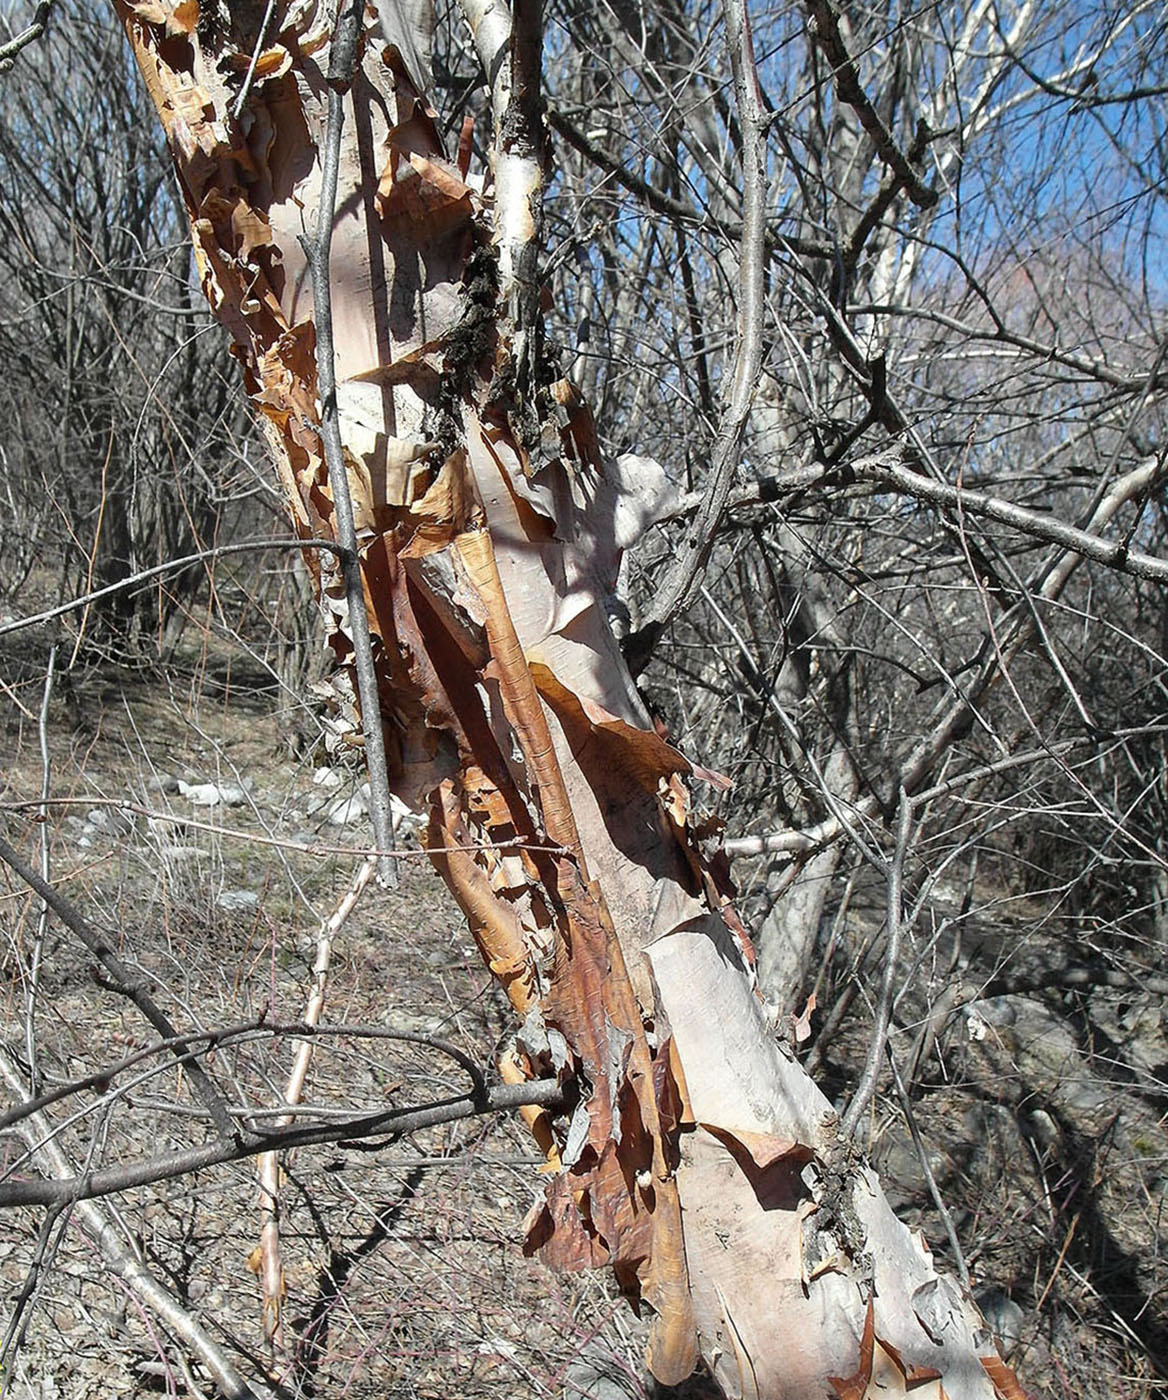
x,y
699,1161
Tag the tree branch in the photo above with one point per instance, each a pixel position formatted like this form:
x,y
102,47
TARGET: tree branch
x,y
342,65
122,1261
1114,553
663,203
685,577
394,1123
26,36
1017,629
825,28
883,1013
169,567
127,984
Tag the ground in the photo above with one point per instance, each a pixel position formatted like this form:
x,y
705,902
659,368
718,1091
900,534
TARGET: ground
x,y
403,1266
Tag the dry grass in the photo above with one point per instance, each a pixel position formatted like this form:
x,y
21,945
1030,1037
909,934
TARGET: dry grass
x,y
403,1268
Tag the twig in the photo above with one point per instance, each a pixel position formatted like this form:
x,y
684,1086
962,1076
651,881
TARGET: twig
x,y
21,1308
255,58
124,981
662,203
789,727
268,1165
514,843
1058,1263
1037,524
157,570
342,65
795,842
122,1261
825,28
353,1132
923,1157
895,919
1018,628
185,1047
26,36
688,570
101,1079
34,969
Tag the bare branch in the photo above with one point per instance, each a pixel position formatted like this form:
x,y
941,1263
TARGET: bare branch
x,y
882,1016
1038,525
29,35
352,1132
685,576
663,203
125,982
122,1260
160,570
342,64
825,26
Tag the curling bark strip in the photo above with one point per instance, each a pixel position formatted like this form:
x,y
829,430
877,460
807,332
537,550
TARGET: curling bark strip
x,y
519,695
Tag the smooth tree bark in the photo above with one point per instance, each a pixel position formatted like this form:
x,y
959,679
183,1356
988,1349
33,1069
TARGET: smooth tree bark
x,y
700,1162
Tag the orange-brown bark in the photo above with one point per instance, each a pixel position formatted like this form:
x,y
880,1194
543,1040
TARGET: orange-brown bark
x,y
560,820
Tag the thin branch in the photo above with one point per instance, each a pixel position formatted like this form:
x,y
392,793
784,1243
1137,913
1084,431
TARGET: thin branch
x,y
882,201
125,982
663,203
342,65
26,36
883,1014
255,58
1018,627
825,28
352,1132
1037,524
771,699
923,1158
515,843
32,989
158,570
1001,334
181,1046
268,1166
122,1261
185,1047
685,577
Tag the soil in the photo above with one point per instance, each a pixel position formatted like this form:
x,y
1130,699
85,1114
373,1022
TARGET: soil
x,y
403,1269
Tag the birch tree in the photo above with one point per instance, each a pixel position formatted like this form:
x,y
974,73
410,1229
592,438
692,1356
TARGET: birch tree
x,y
384,301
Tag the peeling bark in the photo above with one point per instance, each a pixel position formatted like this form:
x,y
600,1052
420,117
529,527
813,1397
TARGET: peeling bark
x,y
700,1162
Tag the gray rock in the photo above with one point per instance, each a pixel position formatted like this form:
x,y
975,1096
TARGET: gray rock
x,y
237,899
201,794
347,810
597,1377
212,794
1004,1317
110,821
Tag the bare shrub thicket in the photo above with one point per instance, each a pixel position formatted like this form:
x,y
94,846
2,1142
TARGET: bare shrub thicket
x,y
929,651
125,446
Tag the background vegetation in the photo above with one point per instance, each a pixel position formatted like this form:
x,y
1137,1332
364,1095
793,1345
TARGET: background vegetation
x,y
963,364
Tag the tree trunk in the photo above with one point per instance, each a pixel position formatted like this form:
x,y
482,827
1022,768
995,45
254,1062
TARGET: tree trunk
x,y
700,1162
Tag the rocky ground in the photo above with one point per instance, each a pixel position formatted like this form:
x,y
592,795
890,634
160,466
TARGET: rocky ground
x,y
180,825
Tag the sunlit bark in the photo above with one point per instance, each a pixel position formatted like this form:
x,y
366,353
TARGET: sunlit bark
x,y
701,1163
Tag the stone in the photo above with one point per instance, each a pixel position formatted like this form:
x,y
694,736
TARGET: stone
x,y
235,900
